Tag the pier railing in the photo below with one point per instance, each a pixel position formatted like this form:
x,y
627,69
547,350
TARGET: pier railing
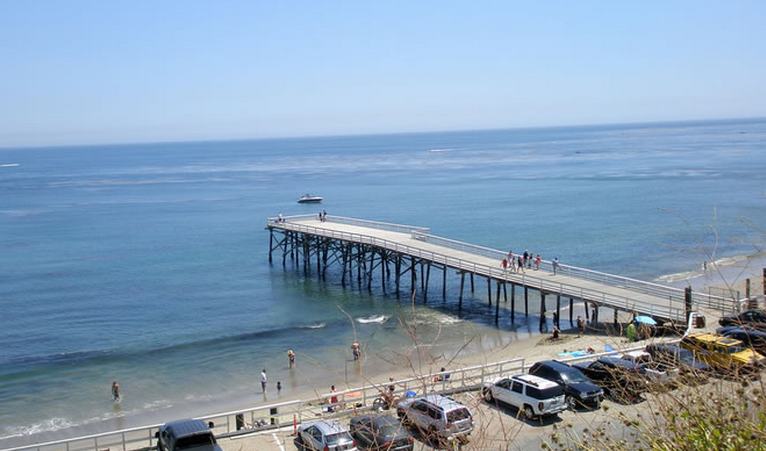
x,y
673,310
285,414
718,303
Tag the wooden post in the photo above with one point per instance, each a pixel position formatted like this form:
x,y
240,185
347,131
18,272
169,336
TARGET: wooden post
x,y
271,241
359,264
428,279
444,283
587,311
319,262
571,310
497,303
513,302
526,301
505,293
462,282
422,277
747,285
397,269
764,281
413,275
284,253
345,261
558,310
471,283
489,291
383,265
616,322
542,310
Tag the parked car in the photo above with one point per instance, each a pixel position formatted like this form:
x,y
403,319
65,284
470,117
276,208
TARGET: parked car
x,y
655,371
187,435
621,379
692,369
380,433
534,396
752,338
578,389
725,354
437,417
752,318
323,435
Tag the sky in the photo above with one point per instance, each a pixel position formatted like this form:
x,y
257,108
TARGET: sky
x,y
77,72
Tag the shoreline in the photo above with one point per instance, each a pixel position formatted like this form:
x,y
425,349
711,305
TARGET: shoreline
x,y
418,359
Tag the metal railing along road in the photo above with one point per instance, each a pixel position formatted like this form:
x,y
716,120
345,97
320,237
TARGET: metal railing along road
x,y
673,310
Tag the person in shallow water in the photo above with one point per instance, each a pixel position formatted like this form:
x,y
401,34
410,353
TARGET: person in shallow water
x,y
115,391
291,357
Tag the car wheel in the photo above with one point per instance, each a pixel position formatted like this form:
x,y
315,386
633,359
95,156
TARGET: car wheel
x,y
572,403
488,395
528,412
160,447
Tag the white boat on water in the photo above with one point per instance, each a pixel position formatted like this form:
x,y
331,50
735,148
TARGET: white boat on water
x,y
309,199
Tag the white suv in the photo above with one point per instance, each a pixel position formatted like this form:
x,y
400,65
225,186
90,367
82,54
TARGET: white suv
x,y
532,395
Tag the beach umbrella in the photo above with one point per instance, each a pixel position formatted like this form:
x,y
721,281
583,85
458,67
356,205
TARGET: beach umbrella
x,y
645,320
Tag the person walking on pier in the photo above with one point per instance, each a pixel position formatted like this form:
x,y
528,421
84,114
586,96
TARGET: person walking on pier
x,y
555,264
526,257
520,265
538,261
504,264
324,215
512,261
291,357
263,380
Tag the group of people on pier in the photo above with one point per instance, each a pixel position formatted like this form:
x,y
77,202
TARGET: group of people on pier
x,y
521,262
518,263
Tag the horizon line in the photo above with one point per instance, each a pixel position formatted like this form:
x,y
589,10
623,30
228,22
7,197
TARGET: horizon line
x,y
352,135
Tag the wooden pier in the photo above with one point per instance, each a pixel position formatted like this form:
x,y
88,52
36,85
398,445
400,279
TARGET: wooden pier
x,y
364,250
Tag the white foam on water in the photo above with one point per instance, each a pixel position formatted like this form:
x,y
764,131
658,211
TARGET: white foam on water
x,y
9,165
440,150
52,424
373,319
315,326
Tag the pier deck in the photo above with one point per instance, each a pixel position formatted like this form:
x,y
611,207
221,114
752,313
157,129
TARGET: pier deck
x,y
374,245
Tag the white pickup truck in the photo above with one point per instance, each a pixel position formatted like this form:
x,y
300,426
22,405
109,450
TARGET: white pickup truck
x,y
654,371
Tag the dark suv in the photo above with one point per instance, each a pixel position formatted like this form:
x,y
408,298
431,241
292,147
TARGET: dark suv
x,y
187,435
753,318
579,390
752,338
621,379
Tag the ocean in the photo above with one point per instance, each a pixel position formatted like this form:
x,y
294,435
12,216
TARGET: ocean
x,y
147,263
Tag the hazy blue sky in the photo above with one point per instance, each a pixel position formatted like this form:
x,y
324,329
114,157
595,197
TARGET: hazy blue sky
x,y
111,71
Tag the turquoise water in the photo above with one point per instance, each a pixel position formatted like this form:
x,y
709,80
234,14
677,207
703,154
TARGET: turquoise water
x,y
148,263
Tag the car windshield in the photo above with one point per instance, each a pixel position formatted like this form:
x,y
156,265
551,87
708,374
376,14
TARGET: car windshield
x,y
194,441
458,415
389,430
734,349
573,376
545,393
685,355
335,439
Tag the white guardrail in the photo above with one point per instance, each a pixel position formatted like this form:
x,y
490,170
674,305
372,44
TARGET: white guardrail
x,y
674,309
272,416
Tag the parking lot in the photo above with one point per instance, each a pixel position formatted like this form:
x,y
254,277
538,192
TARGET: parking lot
x,y
495,427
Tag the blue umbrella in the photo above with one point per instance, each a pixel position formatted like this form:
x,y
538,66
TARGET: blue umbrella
x,y
645,320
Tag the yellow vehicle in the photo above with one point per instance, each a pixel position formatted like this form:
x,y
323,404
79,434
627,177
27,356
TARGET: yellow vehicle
x,y
723,353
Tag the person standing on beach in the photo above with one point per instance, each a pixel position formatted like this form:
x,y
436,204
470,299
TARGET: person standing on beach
x,y
263,380
279,387
356,350
291,357
580,325
115,391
